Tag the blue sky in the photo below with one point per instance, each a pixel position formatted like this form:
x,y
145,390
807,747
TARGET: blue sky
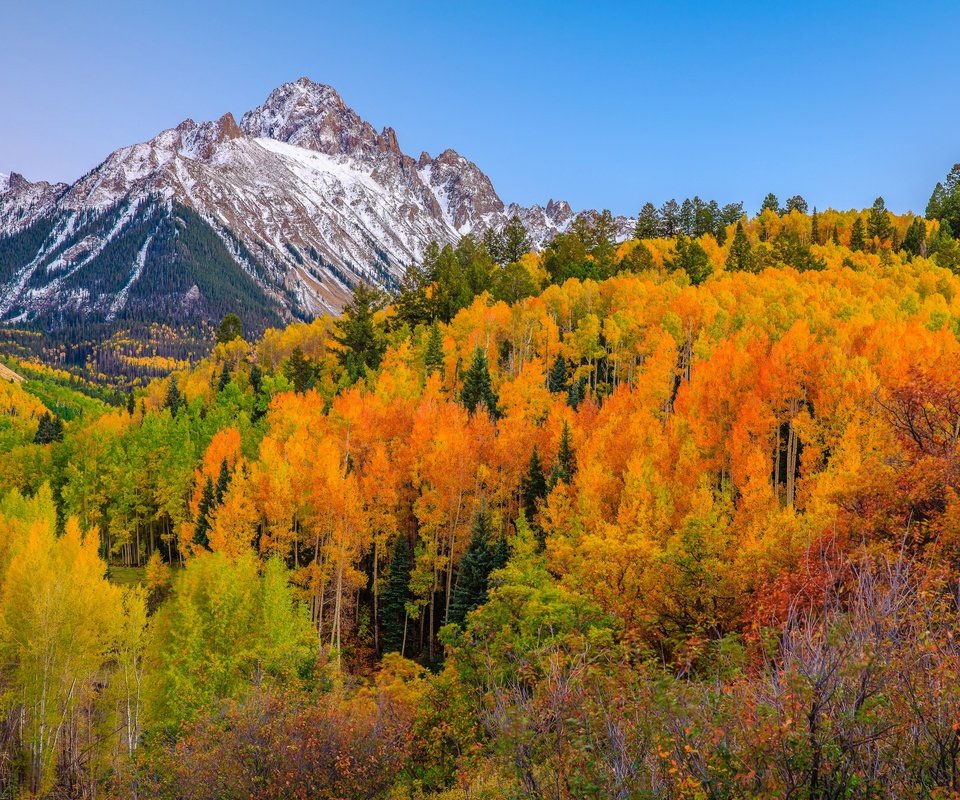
x,y
606,104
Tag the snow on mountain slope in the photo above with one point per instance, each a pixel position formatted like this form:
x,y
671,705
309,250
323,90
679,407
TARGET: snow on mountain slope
x,y
304,196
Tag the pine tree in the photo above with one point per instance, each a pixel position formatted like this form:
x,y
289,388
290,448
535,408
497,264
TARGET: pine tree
x,y
648,223
223,481
577,393
49,429
256,379
207,504
516,243
477,386
796,203
557,379
669,218
173,400
396,594
130,402
470,591
692,259
565,466
230,328
298,371
815,227
915,240
224,377
770,203
534,485
948,250
878,221
362,343
433,358
857,238
740,257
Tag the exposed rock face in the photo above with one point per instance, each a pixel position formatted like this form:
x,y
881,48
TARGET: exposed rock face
x,y
467,198
305,196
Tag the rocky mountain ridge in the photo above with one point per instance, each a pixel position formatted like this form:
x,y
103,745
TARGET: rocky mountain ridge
x,y
294,204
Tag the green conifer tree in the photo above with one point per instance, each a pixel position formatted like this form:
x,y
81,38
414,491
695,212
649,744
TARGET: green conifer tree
x,y
557,379
857,236
648,223
433,358
477,386
534,485
223,481
740,257
396,594
173,400
299,371
565,466
207,504
470,591
224,377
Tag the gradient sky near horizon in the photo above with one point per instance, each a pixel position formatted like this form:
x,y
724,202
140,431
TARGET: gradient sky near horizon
x,y
605,104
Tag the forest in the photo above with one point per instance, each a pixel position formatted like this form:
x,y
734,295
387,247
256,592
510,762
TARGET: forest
x,y
677,517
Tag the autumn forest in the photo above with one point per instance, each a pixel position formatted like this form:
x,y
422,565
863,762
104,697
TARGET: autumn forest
x,y
672,517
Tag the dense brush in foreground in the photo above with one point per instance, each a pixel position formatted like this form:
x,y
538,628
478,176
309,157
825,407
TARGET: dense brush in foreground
x,y
679,520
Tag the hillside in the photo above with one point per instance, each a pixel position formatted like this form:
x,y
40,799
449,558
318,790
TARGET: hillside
x,y
662,518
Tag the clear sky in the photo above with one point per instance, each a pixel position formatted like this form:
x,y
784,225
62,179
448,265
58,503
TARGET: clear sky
x,y
606,104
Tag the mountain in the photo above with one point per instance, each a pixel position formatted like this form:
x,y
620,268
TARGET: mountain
x,y
275,217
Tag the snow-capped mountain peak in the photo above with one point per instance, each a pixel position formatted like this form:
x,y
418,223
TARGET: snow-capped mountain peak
x,y
302,199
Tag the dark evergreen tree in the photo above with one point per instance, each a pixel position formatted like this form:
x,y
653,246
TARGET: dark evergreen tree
x,y
361,340
669,219
396,594
298,371
948,250
516,243
477,386
944,203
730,213
207,504
470,591
130,402
796,203
770,203
577,393
648,223
878,221
230,328
224,377
692,259
223,481
433,357
557,379
857,237
494,243
173,400
534,485
815,227
687,217
915,240
49,429
256,379
414,304
740,257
